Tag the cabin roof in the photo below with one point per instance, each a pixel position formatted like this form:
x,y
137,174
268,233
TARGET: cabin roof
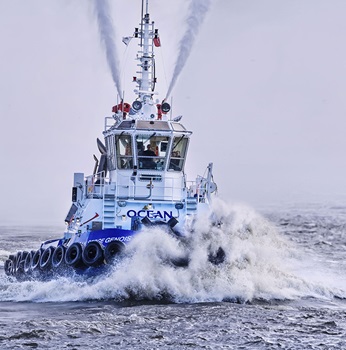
x,y
148,125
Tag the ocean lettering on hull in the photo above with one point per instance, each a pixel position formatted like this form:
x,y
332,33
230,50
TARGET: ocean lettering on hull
x,y
151,214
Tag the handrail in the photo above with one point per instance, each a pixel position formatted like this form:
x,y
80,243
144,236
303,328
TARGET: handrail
x,y
95,185
167,189
107,124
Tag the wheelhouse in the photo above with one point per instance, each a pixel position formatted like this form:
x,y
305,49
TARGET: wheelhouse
x,y
159,146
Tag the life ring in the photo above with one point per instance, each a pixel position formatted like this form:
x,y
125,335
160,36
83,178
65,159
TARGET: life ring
x,y
58,257
73,256
46,258
113,250
93,254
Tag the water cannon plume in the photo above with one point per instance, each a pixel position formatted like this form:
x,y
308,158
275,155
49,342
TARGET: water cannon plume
x,y
196,14
106,31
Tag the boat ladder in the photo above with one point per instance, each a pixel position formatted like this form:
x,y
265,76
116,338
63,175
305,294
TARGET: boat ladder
x,y
108,211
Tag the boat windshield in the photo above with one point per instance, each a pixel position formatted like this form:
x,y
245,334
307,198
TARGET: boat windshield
x,y
152,151
178,153
124,152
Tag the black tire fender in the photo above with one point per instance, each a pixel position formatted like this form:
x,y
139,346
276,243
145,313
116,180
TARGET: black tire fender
x,y
58,258
8,267
35,261
28,262
46,258
73,256
17,262
113,250
12,257
93,254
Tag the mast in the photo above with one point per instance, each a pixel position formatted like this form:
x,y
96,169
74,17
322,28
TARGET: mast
x,y
145,56
144,106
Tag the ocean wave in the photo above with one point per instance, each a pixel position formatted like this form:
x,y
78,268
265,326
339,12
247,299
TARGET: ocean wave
x,y
260,263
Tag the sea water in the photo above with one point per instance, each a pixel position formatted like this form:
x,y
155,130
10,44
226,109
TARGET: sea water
x,y
282,286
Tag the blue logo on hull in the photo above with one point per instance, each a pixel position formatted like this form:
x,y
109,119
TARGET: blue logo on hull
x,y
151,214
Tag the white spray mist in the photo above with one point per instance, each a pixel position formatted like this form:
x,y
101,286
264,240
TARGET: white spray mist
x,y
196,14
260,263
106,31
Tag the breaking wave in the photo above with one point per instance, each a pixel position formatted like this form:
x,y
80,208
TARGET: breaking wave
x,y
260,263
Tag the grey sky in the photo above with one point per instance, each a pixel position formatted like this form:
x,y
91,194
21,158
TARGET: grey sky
x,y
263,91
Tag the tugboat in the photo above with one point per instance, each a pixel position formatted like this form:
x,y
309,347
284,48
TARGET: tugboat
x,y
138,182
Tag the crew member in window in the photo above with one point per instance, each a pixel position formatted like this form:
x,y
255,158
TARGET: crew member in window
x,y
149,152
148,163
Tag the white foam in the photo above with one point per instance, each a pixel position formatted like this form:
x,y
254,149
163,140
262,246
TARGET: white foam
x,y
260,263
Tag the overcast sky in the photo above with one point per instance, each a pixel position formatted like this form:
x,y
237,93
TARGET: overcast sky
x,y
263,91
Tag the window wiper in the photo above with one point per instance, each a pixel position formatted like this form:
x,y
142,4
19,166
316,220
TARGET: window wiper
x,y
176,145
151,136
148,139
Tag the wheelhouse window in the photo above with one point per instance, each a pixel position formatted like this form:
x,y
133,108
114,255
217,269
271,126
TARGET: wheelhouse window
x,y
124,151
178,153
152,151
